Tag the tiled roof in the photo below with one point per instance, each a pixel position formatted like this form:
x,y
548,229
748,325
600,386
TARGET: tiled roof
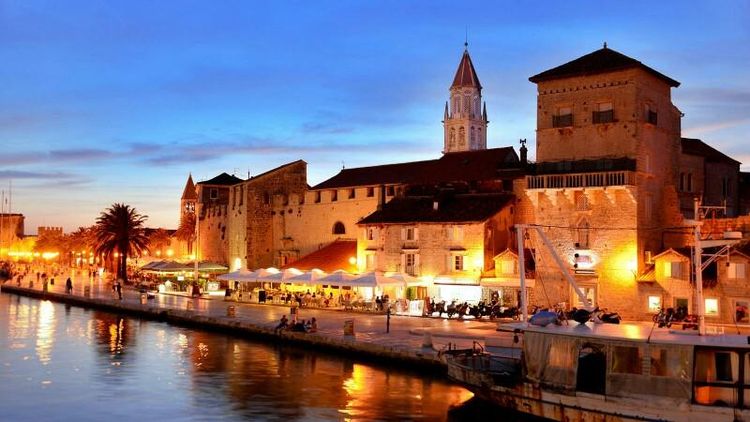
x,y
458,208
332,257
276,169
583,166
466,76
222,179
451,167
189,191
697,147
603,60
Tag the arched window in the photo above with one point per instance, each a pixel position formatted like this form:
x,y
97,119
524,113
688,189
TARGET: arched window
x,y
339,228
452,139
461,136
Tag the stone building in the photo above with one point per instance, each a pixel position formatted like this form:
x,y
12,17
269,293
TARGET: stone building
x,y
608,144
11,229
708,175
213,215
465,118
449,240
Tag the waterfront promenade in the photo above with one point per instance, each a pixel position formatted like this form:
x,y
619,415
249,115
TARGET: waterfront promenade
x,y
404,343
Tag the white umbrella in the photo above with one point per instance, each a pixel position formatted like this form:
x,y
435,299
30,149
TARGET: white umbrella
x,y
406,279
308,277
239,275
373,279
337,278
281,276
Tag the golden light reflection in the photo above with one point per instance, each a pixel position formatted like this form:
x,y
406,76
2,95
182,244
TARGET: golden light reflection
x,y
45,334
115,335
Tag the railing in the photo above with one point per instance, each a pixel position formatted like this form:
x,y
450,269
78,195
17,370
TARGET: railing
x,y
562,121
580,180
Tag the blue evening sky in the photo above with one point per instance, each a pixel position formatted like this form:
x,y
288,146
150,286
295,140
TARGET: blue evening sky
x,y
104,101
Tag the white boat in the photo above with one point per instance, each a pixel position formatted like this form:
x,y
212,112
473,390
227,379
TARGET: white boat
x,y
611,372
615,372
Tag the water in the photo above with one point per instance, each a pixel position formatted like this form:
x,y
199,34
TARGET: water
x,y
62,363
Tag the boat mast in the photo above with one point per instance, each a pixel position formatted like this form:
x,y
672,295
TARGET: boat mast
x,y
522,272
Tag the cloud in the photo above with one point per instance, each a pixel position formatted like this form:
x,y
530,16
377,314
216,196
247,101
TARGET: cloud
x,y
713,127
83,154
324,128
21,174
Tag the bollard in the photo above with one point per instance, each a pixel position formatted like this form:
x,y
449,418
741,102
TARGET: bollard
x,y
349,327
189,305
231,311
144,298
427,340
87,291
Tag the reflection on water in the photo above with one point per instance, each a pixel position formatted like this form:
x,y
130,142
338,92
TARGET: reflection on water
x,y
86,365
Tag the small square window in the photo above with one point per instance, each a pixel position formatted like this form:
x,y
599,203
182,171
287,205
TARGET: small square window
x,y
390,191
317,197
654,303
370,192
214,193
712,306
334,195
604,113
352,193
458,263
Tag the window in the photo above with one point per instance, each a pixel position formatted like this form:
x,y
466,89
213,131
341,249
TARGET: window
x,y
581,200
715,378
654,303
626,360
681,304
452,139
370,262
370,192
455,233
339,228
673,269
214,193
410,263
689,182
508,267
352,193
334,195
603,113
736,271
582,235
724,187
234,196
648,207
741,308
682,182
461,137
409,233
317,197
242,194
563,118
266,198
712,306
590,293
371,233
669,362
457,263
390,191
651,116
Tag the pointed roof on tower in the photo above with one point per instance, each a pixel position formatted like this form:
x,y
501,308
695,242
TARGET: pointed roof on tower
x,y
189,191
466,76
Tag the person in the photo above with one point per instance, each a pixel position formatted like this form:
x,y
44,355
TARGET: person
x,y
69,286
283,324
313,326
299,327
378,304
118,289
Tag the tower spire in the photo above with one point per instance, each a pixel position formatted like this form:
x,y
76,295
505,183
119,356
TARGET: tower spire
x,y
465,123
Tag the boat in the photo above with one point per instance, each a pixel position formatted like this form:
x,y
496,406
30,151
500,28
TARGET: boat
x,y
614,372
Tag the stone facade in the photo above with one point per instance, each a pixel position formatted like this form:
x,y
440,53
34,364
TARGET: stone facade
x,y
11,229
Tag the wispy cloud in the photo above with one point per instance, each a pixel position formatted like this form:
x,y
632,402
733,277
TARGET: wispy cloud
x,y
713,127
22,174
325,128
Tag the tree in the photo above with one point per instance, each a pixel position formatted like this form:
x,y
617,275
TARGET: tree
x,y
186,231
119,229
158,239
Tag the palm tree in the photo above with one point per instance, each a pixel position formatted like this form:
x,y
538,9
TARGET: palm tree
x,y
158,240
119,229
186,230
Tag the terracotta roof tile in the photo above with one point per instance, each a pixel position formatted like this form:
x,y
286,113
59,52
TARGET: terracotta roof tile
x,y
451,167
466,76
600,61
458,208
222,179
189,191
332,257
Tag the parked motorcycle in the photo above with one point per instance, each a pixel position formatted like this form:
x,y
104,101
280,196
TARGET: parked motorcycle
x,y
601,316
451,309
479,310
462,310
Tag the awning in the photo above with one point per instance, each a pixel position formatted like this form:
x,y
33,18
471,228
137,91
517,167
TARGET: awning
x,y
505,282
456,280
373,279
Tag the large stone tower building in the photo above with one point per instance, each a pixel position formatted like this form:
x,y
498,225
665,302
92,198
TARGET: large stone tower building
x,y
465,118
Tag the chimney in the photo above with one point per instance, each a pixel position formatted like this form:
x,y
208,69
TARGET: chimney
x,y
381,197
524,152
435,204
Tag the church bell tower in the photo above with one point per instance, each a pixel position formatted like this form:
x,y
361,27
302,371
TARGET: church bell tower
x,y
465,118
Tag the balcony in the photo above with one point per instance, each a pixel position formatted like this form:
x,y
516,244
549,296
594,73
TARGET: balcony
x,y
581,180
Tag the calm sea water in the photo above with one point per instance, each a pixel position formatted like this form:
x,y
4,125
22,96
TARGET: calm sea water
x,y
60,363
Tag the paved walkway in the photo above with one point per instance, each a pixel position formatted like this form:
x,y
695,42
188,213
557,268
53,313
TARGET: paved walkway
x,y
406,336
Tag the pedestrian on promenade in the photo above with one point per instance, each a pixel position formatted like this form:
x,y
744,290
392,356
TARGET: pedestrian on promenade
x,y
283,324
118,289
313,326
69,286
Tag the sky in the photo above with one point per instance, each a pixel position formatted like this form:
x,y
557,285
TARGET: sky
x,y
104,102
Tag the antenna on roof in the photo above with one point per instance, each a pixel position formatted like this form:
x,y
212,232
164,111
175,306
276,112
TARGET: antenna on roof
x,y
466,38
605,44
343,165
